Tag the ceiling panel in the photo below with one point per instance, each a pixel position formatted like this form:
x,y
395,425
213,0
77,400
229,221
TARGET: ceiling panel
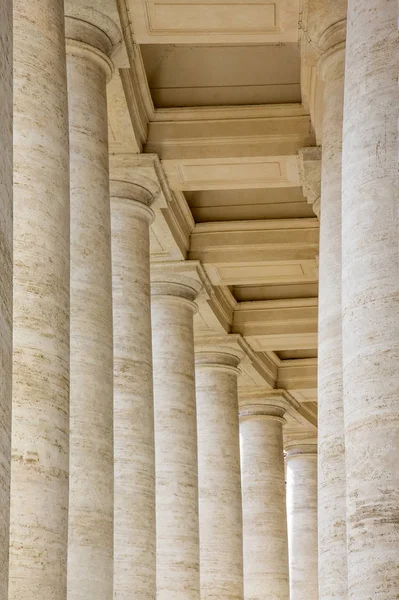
x,y
248,293
296,354
210,75
248,204
216,21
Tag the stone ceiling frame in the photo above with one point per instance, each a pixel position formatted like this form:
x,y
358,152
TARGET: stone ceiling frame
x,y
254,131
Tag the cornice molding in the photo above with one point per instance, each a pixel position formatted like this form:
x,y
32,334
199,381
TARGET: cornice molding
x,y
138,116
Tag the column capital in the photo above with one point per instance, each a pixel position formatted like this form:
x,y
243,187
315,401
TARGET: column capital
x,y
92,34
332,43
173,287
301,449
310,175
139,195
218,360
260,404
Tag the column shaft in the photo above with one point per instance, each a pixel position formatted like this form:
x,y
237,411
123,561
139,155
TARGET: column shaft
x,y
134,528
219,479
5,285
302,522
175,442
90,553
39,489
331,436
264,505
371,298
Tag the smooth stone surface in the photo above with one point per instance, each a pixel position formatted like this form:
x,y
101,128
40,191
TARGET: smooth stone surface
x,y
331,435
219,478
5,285
90,552
39,489
371,298
134,527
172,313
301,476
263,502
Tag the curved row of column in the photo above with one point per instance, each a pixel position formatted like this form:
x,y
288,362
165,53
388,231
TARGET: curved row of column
x,y
83,433
88,461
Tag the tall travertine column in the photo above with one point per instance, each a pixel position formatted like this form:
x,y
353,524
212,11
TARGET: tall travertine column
x,y
370,298
219,478
5,284
39,489
134,527
301,469
331,439
90,550
263,497
175,438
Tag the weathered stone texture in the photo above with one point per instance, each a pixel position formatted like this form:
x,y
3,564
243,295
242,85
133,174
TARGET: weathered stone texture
x,y
134,527
301,467
39,490
371,298
5,283
219,478
265,545
175,441
90,553
331,436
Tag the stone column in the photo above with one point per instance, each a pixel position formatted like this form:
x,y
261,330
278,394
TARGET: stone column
x,y
90,555
134,527
219,478
301,469
39,490
331,438
175,438
370,298
5,285
263,497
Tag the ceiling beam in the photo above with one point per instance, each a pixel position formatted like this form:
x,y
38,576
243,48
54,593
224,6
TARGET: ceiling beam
x,y
257,252
275,325
230,135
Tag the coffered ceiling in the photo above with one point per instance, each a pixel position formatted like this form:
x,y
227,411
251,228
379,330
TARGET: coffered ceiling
x,y
220,99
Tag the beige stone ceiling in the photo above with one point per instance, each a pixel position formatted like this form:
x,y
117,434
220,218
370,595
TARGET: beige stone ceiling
x,y
214,21
217,75
220,97
248,204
